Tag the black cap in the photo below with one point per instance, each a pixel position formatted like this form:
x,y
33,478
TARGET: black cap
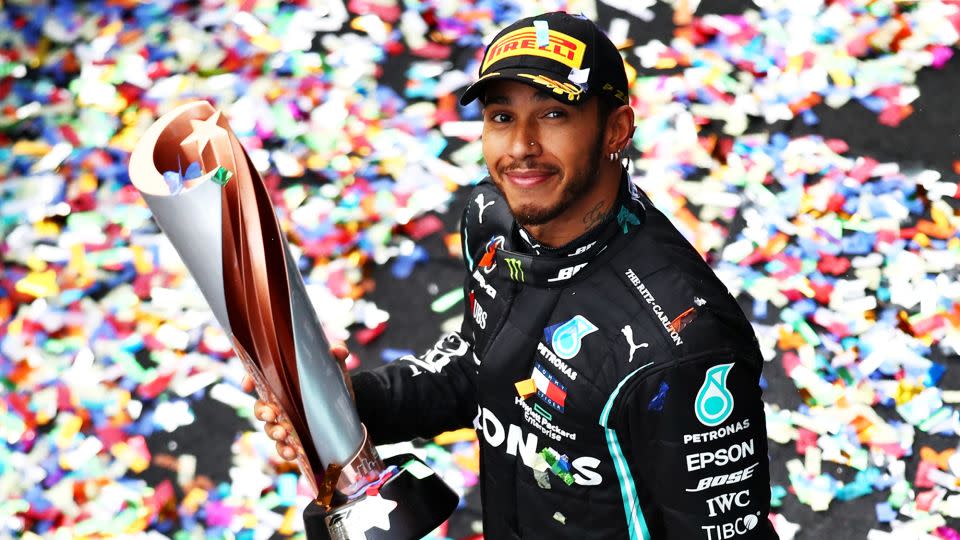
x,y
567,55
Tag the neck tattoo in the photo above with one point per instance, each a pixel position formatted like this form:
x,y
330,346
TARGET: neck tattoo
x,y
594,216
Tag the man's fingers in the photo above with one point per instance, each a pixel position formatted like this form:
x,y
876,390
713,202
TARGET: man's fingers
x,y
286,452
340,352
247,384
276,432
264,411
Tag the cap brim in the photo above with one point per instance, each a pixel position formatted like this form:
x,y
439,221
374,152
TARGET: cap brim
x,y
527,77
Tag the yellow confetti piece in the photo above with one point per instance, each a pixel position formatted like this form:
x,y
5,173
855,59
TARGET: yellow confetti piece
x,y
631,72
526,388
841,78
194,499
287,526
460,435
266,42
794,64
470,463
141,263
906,391
248,521
922,239
665,63
31,148
69,428
939,216
47,229
39,284
36,263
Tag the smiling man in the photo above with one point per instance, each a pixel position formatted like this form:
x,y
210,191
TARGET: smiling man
x,y
613,380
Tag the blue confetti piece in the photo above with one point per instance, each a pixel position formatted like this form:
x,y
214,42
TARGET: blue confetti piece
x,y
656,404
885,512
174,181
389,355
543,33
193,171
287,488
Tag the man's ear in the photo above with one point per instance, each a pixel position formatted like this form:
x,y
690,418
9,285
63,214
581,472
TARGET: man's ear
x,y
620,128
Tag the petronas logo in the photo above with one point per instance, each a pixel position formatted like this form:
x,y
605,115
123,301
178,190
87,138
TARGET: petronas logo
x,y
516,269
714,402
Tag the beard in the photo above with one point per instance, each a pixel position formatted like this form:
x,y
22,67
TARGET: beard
x,y
580,183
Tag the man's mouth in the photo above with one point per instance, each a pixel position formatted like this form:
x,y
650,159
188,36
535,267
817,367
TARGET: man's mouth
x,y
528,177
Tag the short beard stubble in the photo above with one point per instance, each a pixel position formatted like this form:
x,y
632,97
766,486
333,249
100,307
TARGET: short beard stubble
x,y
532,215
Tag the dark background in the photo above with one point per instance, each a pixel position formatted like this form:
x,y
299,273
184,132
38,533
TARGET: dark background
x,y
929,138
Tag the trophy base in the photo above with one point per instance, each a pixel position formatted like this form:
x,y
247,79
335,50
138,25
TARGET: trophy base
x,y
410,504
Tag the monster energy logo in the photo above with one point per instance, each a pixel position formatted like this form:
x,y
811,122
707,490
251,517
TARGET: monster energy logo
x,y
516,269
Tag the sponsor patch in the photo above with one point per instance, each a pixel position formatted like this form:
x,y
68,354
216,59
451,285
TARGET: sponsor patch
x,y
489,260
716,434
556,362
523,41
567,273
723,503
626,219
483,206
725,479
515,266
714,402
655,306
720,457
726,531
572,91
479,314
549,389
443,352
566,338
627,332
526,445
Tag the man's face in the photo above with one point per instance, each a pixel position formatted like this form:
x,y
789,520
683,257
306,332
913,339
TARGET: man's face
x,y
554,174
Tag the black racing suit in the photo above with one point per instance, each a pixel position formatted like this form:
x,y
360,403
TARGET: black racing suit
x,y
614,384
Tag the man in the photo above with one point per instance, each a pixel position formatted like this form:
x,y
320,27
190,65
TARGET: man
x,y
613,380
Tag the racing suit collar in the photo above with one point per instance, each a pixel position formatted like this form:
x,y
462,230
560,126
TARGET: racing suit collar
x,y
549,267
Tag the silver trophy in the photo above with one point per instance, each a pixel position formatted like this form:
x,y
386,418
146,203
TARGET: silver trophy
x,y
224,227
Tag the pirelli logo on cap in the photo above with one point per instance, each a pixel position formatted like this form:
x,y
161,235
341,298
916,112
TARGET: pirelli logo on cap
x,y
523,41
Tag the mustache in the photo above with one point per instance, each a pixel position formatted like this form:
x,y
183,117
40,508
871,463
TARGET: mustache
x,y
528,165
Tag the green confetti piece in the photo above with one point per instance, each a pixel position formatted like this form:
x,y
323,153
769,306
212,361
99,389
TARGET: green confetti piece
x,y
270,501
222,176
131,367
808,333
14,507
935,419
123,521
549,456
447,301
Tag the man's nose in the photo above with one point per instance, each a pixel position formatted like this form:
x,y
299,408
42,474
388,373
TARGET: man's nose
x,y
526,141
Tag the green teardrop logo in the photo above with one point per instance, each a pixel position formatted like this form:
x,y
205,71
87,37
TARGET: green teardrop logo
x,y
714,402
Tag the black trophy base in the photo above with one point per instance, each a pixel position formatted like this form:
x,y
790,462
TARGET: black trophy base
x,y
410,504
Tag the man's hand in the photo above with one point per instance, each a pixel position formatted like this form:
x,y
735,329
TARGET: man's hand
x,y
269,412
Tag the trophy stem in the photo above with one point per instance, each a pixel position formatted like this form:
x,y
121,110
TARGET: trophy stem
x,y
410,503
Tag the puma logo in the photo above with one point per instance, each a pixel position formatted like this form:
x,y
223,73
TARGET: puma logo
x,y
482,206
627,332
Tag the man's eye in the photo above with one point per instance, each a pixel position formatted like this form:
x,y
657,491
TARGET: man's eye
x,y
555,114
499,117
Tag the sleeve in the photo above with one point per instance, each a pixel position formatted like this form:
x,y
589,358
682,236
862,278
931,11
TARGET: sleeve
x,y
419,396
425,395
694,456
